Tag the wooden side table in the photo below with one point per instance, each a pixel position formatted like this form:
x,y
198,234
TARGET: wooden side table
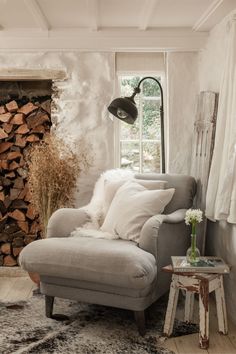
x,y
202,284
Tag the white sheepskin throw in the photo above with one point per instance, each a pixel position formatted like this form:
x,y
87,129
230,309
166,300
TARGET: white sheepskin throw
x,y
95,209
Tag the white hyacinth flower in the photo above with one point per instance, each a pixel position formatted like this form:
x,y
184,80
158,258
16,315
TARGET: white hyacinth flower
x,y
193,216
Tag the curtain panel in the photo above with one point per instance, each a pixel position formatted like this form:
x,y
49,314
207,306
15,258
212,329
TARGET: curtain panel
x,y
221,191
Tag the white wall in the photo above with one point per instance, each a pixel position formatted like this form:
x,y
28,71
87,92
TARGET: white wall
x,y
182,90
221,236
80,102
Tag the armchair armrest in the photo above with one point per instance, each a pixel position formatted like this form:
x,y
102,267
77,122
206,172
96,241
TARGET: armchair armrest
x,y
65,220
163,234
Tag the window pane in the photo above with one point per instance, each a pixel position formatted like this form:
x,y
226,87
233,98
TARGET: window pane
x,y
130,155
151,120
128,131
128,83
151,157
150,87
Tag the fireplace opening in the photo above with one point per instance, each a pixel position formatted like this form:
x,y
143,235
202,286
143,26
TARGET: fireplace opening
x,y
25,118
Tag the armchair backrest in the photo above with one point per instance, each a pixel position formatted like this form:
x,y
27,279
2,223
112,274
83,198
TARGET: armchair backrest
x,y
185,189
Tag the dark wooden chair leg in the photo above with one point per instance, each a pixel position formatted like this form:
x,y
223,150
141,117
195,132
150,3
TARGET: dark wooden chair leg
x,y
140,321
49,300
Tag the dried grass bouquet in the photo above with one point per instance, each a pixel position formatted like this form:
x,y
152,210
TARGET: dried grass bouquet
x,y
54,169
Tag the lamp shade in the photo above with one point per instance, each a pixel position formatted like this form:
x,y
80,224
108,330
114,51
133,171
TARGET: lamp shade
x,y
124,108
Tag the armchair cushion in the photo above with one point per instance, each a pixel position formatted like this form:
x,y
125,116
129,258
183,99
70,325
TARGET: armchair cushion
x,y
132,205
111,262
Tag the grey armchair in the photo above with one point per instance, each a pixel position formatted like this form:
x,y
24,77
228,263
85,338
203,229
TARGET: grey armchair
x,y
116,273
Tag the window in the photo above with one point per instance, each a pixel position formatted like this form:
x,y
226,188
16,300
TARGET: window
x,y
140,143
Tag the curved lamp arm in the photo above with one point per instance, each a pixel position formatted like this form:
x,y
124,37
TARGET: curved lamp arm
x,y
125,109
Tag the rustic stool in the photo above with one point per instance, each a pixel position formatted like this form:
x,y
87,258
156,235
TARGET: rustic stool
x,y
202,284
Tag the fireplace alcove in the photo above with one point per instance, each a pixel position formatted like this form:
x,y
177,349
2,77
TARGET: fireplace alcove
x,y
25,118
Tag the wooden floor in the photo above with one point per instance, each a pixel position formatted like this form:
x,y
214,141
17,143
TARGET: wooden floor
x,y
18,288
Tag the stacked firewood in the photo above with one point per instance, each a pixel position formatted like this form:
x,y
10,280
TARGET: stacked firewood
x,y
20,126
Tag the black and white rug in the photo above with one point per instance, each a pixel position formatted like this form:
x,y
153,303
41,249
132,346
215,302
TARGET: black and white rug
x,y
91,329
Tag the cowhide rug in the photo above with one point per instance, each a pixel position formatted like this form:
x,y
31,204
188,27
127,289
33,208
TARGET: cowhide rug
x,y
90,329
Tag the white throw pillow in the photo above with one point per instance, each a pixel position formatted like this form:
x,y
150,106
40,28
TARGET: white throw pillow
x,y
131,207
111,187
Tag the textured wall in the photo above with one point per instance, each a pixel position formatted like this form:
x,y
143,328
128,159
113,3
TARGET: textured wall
x,y
80,102
182,90
221,236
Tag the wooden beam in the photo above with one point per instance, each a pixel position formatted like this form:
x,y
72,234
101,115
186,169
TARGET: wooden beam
x,y
37,13
207,14
147,12
13,74
93,6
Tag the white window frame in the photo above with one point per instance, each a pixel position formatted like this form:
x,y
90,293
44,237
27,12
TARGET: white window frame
x,y
117,122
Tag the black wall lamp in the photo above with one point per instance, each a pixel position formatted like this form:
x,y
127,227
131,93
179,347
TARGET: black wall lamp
x,y
126,110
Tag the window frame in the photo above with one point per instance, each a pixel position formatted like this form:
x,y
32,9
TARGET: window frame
x,y
117,122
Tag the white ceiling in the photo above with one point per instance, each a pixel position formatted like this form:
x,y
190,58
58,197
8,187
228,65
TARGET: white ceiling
x,y
109,24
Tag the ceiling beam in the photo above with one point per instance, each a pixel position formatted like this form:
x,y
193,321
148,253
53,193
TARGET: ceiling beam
x,y
37,13
148,8
93,12
68,39
207,14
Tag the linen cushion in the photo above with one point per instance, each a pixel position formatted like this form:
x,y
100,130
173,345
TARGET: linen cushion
x,y
131,207
112,262
111,187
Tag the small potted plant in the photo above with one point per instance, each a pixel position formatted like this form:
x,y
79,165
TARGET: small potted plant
x,y
193,217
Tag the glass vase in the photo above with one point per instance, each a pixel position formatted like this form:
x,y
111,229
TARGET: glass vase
x,y
193,252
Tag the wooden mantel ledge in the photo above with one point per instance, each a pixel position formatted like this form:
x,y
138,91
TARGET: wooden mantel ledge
x,y
14,74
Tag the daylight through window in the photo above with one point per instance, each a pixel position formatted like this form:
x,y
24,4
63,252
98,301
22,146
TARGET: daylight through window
x,y
140,144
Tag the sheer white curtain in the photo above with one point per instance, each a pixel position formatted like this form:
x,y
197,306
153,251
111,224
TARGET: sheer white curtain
x,y
221,192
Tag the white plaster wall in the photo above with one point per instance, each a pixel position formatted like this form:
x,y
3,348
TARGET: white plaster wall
x,y
182,90
221,236
80,103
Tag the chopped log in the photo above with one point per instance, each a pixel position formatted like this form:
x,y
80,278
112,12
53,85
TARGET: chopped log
x,y
2,109
7,202
39,129
4,164
27,108
9,261
22,162
10,175
18,119
23,129
35,227
13,166
7,127
46,106
6,182
20,141
22,172
6,248
3,237
31,214
5,146
29,238
17,215
14,193
13,155
23,192
28,196
1,260
17,251
37,118
2,196
19,183
3,222
19,241
32,138
12,106
11,136
12,228
5,117
18,204
3,134
24,226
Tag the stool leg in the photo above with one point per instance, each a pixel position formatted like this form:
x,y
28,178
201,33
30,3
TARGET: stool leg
x,y
204,314
221,308
189,304
171,308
